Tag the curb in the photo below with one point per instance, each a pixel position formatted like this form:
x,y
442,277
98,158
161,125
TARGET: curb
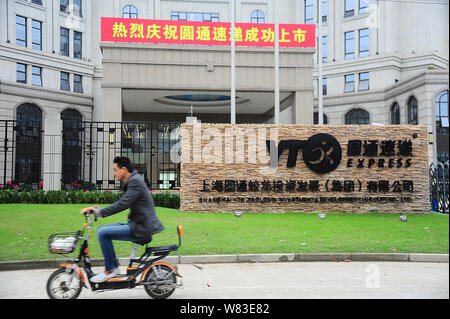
x,y
246,258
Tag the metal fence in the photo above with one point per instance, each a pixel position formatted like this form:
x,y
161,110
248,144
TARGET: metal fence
x,y
20,153
439,186
147,145
88,151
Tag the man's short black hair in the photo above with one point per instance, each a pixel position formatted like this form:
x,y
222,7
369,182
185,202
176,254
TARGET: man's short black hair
x,y
122,161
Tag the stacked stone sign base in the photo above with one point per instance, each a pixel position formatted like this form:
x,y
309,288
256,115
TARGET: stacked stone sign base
x,y
351,168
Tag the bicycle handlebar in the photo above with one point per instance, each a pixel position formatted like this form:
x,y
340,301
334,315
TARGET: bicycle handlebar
x,y
87,212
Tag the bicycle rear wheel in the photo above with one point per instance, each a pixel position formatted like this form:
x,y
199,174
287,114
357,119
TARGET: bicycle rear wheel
x,y
163,282
64,283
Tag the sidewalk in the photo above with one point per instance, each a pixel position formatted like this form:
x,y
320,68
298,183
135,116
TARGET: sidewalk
x,y
248,258
265,282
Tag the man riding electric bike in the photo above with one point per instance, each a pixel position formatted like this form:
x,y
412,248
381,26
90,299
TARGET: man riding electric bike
x,y
142,219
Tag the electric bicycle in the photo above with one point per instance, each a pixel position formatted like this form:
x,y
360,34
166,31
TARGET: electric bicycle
x,y
158,278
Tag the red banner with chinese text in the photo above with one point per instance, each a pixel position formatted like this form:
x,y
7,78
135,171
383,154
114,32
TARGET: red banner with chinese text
x,y
206,33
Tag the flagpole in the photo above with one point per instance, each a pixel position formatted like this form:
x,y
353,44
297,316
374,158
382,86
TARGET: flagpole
x,y
233,63
277,67
320,84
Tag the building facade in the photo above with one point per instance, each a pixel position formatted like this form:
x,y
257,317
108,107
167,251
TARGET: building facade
x,y
386,62
69,102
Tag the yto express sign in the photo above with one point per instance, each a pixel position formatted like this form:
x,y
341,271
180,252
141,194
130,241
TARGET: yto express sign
x,y
205,33
304,168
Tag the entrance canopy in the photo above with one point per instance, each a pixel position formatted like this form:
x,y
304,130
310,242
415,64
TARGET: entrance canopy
x,y
142,82
174,105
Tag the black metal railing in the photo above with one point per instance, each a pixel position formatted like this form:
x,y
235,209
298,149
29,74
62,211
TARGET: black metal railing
x,y
88,151
20,153
147,145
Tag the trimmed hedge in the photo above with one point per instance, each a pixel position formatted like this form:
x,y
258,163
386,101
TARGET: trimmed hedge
x,y
8,196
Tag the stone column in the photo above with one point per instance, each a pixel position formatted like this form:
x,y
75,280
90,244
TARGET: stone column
x,y
302,108
52,151
112,105
111,112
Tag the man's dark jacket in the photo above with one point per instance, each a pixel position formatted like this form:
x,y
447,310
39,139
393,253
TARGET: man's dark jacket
x,y
142,218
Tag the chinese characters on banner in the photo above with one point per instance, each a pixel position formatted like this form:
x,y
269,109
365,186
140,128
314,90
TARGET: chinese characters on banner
x,y
205,33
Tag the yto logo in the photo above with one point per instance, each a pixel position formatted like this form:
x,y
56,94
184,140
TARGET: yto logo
x,y
321,152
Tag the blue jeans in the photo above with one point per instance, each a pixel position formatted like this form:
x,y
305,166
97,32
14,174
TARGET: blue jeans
x,y
106,234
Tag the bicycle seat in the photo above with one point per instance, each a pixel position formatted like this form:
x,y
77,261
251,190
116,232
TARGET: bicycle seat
x,y
162,249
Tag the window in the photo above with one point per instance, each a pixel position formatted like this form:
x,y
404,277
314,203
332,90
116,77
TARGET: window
x,y
412,111
324,49
167,179
36,35
442,113
36,76
72,151
77,45
77,8
357,116
363,6
324,10
316,118
363,81
195,16
130,12
21,31
324,86
64,6
39,2
165,139
349,8
257,16
179,16
134,145
395,114
65,84
349,83
28,144
64,42
309,11
21,73
78,83
349,45
364,42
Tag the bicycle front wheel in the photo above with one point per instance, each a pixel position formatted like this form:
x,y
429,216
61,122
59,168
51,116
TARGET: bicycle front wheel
x,y
64,283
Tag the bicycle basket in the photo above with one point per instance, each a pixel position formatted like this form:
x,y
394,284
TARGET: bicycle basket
x,y
63,243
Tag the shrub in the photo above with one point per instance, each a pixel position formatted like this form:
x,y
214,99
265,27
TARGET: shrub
x,y
166,199
38,197
9,196
162,199
56,197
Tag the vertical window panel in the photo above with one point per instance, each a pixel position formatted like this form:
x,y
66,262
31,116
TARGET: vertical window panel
x,y
64,42
36,35
36,77
21,31
349,45
21,73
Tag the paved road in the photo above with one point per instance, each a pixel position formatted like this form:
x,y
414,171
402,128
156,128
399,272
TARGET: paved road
x,y
297,280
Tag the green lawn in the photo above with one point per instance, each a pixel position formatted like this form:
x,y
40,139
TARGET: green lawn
x,y
24,229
